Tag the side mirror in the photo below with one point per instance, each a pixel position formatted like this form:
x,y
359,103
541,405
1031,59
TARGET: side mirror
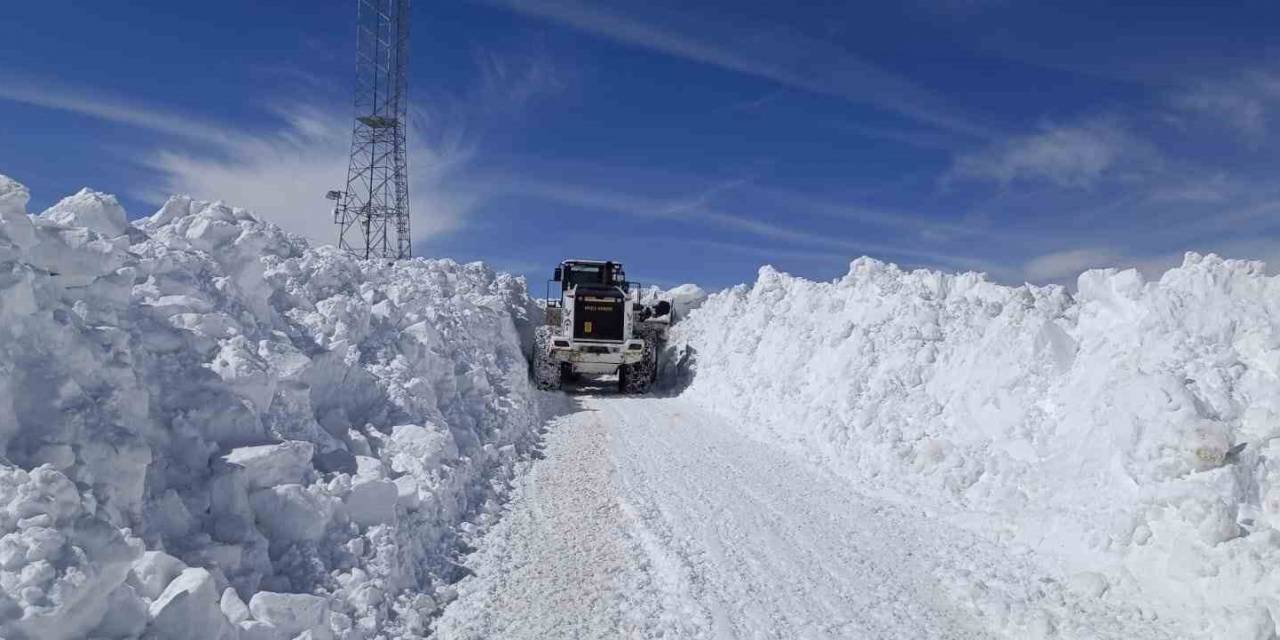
x,y
557,275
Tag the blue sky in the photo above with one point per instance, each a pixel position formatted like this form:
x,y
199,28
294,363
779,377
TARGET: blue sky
x,y
693,140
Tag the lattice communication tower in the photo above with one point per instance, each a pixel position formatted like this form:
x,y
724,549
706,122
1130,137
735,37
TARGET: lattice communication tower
x,y
373,212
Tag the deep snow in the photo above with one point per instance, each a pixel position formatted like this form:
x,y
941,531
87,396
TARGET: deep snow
x,y
1127,433
211,429
651,517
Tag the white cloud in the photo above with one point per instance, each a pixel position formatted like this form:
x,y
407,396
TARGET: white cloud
x,y
1067,156
921,139
283,175
1264,249
1201,188
1246,113
768,52
1242,102
933,228
770,253
510,83
698,210
1066,265
104,107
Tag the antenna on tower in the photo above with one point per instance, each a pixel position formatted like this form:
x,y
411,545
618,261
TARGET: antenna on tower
x,y
373,212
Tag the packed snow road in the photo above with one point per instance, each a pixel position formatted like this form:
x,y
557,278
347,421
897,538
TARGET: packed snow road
x,y
651,518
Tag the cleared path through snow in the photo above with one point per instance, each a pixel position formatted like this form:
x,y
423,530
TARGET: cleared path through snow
x,y
650,518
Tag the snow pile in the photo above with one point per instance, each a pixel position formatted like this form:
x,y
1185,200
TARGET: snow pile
x,y
1130,434
211,429
683,298
98,212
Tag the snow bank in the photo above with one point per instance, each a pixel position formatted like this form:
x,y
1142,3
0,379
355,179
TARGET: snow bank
x,y
684,298
1130,433
210,429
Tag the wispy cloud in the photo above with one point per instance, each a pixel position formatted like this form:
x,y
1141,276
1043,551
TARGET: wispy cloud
x,y
509,83
920,225
299,149
1214,188
755,104
771,254
922,139
283,174
1062,265
769,52
1242,102
98,104
1076,156
697,209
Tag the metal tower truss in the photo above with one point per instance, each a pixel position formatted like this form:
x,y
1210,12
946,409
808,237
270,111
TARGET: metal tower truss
x,y
373,213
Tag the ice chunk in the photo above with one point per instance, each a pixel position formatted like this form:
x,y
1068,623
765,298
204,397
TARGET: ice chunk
x,y
188,608
291,512
407,492
291,613
233,607
416,448
126,615
153,571
14,223
370,467
269,465
175,207
258,630
14,196
239,365
372,501
99,212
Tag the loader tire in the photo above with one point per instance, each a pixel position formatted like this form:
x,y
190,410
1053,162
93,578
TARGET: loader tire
x,y
638,378
546,372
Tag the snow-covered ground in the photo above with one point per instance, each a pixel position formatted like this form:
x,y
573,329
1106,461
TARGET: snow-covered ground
x,y
654,518
211,430
1127,434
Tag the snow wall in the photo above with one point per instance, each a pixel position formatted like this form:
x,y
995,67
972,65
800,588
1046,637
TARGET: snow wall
x,y
1128,433
210,429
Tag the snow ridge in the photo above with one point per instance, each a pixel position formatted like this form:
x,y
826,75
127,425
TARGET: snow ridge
x,y
1129,432
211,429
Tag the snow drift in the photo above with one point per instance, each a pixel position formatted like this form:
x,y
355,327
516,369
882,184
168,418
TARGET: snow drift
x,y
1129,432
211,429
683,298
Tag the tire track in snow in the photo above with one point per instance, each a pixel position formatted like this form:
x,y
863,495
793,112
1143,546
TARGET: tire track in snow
x,y
552,565
651,518
772,547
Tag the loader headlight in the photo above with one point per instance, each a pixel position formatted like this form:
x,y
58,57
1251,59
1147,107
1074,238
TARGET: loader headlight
x,y
635,347
563,344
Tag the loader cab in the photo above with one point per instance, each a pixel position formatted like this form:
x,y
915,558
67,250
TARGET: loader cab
x,y
590,274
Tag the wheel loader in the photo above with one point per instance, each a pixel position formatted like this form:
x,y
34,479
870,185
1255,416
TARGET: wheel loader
x,y
599,326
